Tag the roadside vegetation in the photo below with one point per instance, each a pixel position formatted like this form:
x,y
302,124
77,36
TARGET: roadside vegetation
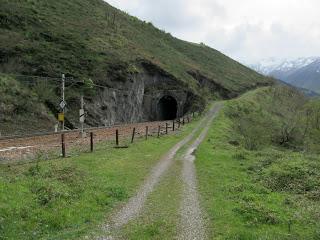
x,y
70,198
258,173
259,168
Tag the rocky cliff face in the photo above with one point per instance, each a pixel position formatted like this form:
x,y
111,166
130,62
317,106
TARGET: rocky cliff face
x,y
122,105
137,99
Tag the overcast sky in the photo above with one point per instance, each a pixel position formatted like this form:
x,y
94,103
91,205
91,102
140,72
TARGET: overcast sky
x,y
246,30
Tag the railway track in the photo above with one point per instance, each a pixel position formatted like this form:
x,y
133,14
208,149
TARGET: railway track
x,y
47,145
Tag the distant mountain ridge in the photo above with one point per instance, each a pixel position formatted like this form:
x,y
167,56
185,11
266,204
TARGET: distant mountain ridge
x,y
270,65
300,72
306,92
307,77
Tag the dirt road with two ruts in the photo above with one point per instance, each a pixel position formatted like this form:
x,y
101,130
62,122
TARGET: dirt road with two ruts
x,y
191,222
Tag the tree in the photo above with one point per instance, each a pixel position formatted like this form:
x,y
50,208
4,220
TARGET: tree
x,y
288,104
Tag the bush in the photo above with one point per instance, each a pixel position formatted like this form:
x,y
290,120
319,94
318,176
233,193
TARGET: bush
x,y
294,176
256,213
51,184
279,116
47,192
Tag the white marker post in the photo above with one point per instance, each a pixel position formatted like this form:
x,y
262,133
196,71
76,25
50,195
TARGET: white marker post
x,y
62,103
82,117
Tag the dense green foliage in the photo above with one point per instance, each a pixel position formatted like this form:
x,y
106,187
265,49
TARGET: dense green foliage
x,y
92,39
259,169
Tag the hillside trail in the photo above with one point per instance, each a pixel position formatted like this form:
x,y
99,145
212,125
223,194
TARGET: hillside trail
x,y
192,224
134,206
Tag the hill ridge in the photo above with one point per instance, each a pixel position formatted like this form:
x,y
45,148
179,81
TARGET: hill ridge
x,y
91,40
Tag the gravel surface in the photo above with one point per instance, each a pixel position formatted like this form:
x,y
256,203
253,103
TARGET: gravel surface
x,y
134,206
192,223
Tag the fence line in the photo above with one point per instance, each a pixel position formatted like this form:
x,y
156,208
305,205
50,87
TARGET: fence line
x,y
64,144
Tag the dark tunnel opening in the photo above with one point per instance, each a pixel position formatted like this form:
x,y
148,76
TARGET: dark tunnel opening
x,y
167,108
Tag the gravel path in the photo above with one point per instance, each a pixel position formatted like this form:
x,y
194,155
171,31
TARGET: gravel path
x,y
192,224
134,206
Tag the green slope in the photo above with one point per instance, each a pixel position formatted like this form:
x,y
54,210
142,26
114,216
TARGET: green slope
x,y
258,169
92,39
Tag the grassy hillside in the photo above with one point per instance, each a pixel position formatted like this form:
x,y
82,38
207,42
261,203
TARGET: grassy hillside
x,y
279,117
259,167
92,39
33,112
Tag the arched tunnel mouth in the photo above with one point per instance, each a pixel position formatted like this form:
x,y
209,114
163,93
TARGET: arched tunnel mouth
x,y
167,108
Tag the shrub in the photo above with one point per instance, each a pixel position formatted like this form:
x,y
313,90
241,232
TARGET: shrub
x,y
279,116
295,176
47,192
255,213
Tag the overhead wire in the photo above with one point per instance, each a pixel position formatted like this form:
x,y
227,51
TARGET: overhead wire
x,y
73,81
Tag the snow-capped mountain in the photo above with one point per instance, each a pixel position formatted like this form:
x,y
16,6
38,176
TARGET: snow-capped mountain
x,y
300,72
273,65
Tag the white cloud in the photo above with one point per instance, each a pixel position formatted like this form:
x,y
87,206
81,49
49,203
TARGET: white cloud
x,y
247,30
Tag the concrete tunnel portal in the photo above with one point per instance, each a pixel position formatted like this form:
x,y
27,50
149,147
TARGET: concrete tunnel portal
x,y
167,108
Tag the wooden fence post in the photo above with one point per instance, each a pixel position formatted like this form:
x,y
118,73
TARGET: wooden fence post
x,y
179,123
117,137
133,134
91,141
166,128
183,121
173,125
159,129
147,132
63,145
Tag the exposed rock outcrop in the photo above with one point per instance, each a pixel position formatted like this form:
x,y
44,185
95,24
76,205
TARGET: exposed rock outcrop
x,y
137,99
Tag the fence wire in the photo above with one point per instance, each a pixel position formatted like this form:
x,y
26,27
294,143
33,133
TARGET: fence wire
x,y
47,147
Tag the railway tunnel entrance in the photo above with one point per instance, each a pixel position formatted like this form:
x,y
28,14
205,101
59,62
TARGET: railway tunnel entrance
x,y
167,108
